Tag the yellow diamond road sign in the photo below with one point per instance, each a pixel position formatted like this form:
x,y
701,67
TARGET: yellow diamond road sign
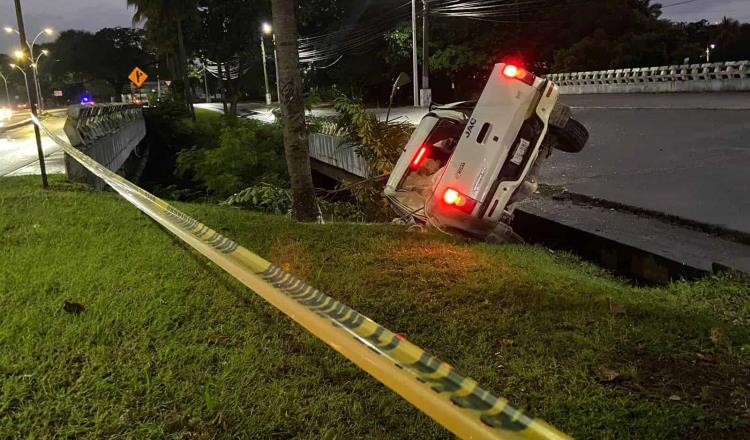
x,y
138,77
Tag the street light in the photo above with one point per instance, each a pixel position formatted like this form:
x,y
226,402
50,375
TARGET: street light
x,y
25,79
37,83
268,30
708,52
34,60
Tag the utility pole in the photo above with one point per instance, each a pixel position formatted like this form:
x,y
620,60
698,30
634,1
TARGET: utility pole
x,y
415,61
426,95
32,94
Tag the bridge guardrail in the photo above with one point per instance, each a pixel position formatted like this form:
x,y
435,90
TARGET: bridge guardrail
x,y
106,132
724,76
332,150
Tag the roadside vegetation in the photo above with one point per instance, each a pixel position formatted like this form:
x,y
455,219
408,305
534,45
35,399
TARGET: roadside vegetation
x,y
110,327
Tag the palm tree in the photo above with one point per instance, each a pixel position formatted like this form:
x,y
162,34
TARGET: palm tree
x,y
160,15
296,147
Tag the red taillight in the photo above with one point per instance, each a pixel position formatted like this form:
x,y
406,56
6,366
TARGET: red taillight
x,y
456,199
516,72
419,158
510,71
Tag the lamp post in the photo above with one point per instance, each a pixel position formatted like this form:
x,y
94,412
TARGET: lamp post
x,y
7,94
25,80
37,82
708,52
34,60
266,29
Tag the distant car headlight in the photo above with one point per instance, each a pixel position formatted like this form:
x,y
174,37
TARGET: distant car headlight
x,y
5,114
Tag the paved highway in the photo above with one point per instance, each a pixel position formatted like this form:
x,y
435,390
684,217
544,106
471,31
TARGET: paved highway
x,y
682,154
18,153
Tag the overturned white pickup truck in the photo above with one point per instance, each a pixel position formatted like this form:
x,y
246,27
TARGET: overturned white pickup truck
x,y
468,164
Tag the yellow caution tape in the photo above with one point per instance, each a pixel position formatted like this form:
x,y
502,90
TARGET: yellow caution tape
x,y
433,386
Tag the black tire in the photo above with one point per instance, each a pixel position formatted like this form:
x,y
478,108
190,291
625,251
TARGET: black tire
x,y
572,138
560,115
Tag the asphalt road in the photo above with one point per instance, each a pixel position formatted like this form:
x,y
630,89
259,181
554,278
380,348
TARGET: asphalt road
x,y
18,153
682,154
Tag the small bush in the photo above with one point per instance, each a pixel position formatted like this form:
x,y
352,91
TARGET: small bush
x,y
275,200
248,152
380,143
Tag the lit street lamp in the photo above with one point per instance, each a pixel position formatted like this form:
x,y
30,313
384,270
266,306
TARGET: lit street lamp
x,y
34,60
37,83
268,30
25,79
708,52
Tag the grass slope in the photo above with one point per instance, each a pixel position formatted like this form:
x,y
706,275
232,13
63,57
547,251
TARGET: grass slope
x,y
168,345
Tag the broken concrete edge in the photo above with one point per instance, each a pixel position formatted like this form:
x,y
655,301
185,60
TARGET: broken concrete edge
x,y
562,194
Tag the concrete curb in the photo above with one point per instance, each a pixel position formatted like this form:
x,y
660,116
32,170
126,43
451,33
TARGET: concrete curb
x,y
561,194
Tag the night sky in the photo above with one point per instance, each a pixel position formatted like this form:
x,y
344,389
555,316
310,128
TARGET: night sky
x,y
96,14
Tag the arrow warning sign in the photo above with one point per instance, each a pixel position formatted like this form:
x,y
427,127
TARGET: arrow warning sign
x,y
138,77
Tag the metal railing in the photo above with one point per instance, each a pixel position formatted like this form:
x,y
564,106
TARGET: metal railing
x,y
106,132
731,75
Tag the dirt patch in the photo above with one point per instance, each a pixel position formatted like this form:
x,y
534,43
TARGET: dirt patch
x,y
291,256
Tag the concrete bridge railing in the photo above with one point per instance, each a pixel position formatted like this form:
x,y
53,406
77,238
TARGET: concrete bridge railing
x,y
333,154
710,77
108,133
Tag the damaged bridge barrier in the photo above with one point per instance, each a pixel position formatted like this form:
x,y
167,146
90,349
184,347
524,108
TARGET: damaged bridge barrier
x,y
108,133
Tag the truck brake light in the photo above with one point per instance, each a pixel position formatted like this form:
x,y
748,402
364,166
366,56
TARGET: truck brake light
x,y
456,199
419,158
516,72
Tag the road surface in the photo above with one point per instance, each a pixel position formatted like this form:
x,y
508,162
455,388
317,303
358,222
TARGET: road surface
x,y
18,155
686,155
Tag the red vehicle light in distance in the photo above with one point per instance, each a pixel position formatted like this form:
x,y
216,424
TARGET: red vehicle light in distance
x,y
516,72
419,158
456,199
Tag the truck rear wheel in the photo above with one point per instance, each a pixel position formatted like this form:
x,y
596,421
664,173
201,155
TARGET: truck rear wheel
x,y
571,138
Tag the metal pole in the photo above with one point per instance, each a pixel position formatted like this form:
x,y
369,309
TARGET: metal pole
x,y
7,94
265,70
415,61
205,80
276,63
32,99
426,98
35,71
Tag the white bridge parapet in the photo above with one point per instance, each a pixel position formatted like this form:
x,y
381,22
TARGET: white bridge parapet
x,y
108,133
730,76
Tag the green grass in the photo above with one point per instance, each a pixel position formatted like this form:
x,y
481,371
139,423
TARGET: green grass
x,y
168,345
204,114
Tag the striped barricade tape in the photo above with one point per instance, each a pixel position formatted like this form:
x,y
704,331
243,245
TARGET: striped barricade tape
x,y
433,386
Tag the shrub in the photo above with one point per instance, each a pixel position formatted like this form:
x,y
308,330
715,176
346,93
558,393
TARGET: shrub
x,y
248,152
380,143
275,200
